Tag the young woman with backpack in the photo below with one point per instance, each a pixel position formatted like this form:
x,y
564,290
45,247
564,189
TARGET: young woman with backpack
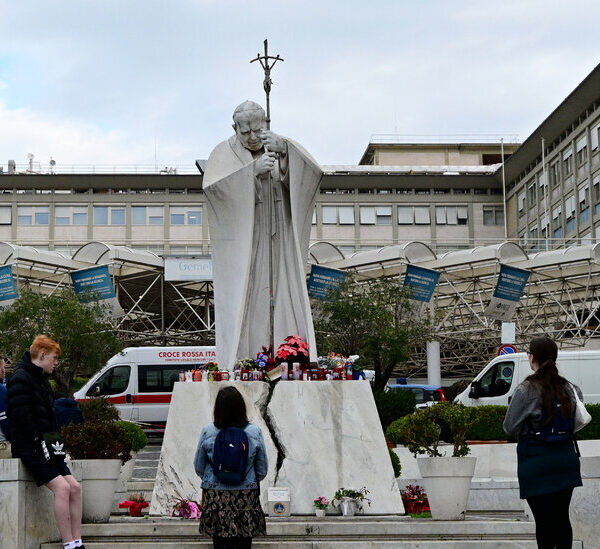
x,y
541,414
231,459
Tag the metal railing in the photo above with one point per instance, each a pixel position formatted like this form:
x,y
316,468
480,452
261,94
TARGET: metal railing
x,y
40,168
391,138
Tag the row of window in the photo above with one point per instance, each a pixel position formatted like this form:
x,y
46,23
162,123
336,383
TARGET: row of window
x,y
407,215
102,215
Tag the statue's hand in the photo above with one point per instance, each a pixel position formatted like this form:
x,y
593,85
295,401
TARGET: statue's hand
x,y
273,142
265,163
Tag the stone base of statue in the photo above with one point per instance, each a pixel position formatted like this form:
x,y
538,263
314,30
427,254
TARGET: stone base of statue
x,y
328,433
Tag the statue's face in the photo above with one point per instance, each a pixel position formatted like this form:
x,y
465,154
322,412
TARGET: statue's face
x,y
248,129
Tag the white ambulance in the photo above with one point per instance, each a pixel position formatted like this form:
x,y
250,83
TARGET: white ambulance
x,y
496,383
139,381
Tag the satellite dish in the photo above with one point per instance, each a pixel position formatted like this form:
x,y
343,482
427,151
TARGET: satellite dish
x,y
30,156
52,162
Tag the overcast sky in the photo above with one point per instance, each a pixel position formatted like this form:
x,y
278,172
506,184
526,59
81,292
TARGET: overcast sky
x,y
156,81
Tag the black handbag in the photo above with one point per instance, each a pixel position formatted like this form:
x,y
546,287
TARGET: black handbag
x,y
52,447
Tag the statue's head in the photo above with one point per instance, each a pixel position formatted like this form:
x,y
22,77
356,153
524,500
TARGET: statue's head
x,y
249,120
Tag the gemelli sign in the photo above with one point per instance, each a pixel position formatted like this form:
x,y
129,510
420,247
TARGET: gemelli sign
x,y
509,289
188,268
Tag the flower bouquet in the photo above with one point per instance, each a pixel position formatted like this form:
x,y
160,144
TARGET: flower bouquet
x,y
350,500
293,349
186,508
135,505
320,504
414,499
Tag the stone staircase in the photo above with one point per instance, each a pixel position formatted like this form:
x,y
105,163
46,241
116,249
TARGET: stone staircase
x,y
144,470
507,531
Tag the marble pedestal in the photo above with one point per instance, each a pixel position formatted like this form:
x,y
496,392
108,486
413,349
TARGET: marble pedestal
x,y
26,511
329,431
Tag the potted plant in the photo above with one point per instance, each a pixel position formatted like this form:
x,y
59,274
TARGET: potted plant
x,y
414,499
135,504
320,504
447,479
97,448
350,501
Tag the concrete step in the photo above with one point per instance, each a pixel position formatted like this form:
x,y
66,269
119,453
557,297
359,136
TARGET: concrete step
x,y
333,532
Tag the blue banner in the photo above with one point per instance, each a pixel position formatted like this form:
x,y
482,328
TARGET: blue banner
x,y
323,279
420,282
511,283
8,286
93,283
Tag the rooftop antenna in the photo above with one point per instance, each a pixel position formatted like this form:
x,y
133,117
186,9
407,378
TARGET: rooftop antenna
x,y
52,164
30,157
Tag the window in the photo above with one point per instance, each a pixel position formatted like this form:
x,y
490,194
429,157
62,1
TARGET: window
x,y
179,215
521,203
147,215
532,195
554,174
112,382
596,187
419,215
581,150
314,217
594,134
108,215
156,378
330,215
451,215
493,215
70,215
568,163
375,215
5,215
584,204
497,380
422,215
33,215
557,218
570,213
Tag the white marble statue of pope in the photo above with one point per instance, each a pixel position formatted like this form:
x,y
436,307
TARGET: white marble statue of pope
x,y
236,187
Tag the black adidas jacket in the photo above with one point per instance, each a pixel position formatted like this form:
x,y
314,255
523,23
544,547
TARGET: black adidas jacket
x,y
29,407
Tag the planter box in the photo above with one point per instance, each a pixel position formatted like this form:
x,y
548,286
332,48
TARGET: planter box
x,y
98,479
26,511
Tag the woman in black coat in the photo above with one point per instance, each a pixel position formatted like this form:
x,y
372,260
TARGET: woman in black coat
x,y
541,413
29,407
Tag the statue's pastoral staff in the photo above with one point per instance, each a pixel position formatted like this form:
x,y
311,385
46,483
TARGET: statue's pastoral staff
x,y
236,187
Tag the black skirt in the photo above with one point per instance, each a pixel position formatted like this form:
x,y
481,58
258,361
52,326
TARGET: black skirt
x,y
232,513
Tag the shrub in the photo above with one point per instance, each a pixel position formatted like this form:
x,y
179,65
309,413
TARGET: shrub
x,y
78,383
395,463
136,435
488,424
459,419
99,410
96,440
417,432
592,429
393,405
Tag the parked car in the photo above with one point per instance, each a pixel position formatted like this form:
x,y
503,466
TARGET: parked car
x,y
139,381
425,395
496,383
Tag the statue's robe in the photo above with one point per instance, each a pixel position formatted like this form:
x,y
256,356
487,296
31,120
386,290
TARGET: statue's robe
x,y
237,207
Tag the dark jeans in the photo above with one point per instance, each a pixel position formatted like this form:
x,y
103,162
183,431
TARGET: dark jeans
x,y
232,543
552,525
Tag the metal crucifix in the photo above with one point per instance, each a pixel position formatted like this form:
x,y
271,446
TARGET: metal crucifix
x,y
267,62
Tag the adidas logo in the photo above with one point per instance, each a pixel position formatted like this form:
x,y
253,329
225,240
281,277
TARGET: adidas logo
x,y
57,448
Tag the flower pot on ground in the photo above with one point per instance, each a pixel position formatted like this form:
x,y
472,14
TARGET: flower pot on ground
x,y
350,501
447,480
320,512
97,448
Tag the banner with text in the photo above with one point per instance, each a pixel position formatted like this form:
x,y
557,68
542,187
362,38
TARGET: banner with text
x,y
188,268
420,282
95,283
8,286
507,294
323,279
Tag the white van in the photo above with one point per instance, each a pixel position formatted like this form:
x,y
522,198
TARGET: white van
x,y
497,382
139,381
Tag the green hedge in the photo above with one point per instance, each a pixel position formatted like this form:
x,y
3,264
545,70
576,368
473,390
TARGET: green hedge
x,y
393,405
395,463
488,425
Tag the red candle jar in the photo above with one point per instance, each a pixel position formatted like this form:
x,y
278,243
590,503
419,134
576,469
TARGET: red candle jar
x,y
337,373
314,375
245,375
224,376
321,374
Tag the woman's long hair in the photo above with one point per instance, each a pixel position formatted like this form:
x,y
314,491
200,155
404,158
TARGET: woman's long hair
x,y
230,409
552,384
